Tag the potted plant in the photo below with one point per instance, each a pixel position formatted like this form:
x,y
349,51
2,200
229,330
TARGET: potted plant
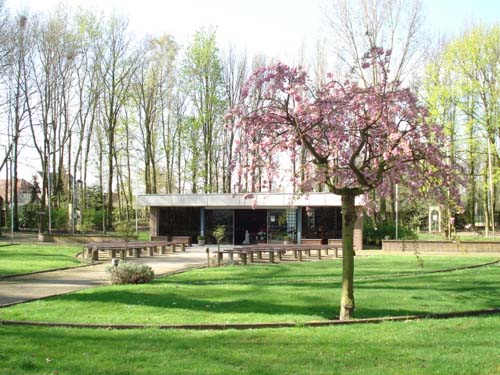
x,y
201,239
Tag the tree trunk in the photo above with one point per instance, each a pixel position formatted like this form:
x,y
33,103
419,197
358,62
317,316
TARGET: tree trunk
x,y
348,221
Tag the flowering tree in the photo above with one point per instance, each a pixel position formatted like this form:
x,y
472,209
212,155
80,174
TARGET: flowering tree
x,y
357,140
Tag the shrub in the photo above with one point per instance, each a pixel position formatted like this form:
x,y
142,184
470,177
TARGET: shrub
x,y
60,218
29,216
374,235
130,273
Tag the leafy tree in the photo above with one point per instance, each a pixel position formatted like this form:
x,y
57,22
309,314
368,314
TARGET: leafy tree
x,y
203,74
358,139
462,87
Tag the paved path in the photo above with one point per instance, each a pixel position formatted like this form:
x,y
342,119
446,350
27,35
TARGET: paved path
x,y
24,288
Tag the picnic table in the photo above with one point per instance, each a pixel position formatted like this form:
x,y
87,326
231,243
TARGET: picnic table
x,y
130,248
247,253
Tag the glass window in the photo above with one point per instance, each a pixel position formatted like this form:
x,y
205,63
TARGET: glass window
x,y
252,221
179,221
281,223
322,222
214,218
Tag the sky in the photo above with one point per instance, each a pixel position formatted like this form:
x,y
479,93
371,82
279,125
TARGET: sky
x,y
274,28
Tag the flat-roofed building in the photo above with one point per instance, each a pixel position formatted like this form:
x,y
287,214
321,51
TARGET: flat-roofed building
x,y
267,217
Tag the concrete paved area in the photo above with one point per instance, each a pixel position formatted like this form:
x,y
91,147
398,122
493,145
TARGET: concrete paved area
x,y
25,288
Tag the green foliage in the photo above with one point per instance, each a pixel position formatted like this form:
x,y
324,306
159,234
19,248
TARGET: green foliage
x,y
219,233
373,235
125,229
130,273
29,216
60,218
93,218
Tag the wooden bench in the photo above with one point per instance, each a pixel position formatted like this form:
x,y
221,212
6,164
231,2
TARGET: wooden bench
x,y
311,241
133,248
186,240
246,253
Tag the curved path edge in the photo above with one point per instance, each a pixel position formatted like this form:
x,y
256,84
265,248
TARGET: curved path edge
x,y
245,326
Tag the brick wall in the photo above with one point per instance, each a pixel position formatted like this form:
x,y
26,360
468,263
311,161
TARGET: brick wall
x,y
442,246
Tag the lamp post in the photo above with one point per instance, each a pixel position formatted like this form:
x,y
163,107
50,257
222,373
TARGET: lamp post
x,y
12,187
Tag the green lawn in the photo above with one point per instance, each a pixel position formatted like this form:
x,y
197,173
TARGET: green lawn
x,y
467,346
23,258
290,292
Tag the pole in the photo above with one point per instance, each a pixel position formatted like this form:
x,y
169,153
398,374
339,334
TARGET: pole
x,y
73,204
397,211
136,192
12,187
492,204
49,193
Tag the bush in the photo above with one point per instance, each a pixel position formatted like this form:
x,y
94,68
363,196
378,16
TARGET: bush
x,y
130,273
60,218
374,235
94,217
29,216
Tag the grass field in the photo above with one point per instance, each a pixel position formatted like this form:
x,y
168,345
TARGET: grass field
x,y
453,347
290,292
23,258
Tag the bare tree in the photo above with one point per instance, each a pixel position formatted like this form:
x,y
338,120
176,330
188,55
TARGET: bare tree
x,y
234,75
361,25
118,63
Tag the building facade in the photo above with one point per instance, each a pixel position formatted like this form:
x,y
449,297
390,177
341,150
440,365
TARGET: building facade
x,y
258,218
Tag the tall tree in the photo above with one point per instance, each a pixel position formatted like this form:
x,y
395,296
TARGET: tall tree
x,y
235,72
360,25
119,61
463,81
153,85
358,139
203,75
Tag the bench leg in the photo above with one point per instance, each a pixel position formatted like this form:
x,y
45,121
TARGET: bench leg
x,y
151,250
137,253
219,258
183,247
271,257
295,254
163,249
251,257
280,255
95,254
173,248
231,256
112,253
243,258
319,253
308,253
300,255
336,251
122,254
259,255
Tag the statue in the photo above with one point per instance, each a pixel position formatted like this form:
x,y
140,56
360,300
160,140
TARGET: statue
x,y
247,238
